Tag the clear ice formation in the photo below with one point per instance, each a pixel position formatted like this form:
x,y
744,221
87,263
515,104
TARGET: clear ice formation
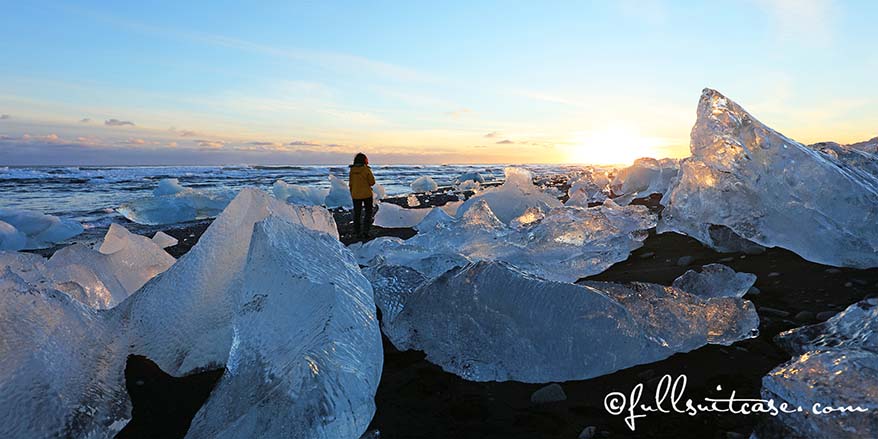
x,y
489,321
469,176
566,244
172,203
511,199
424,184
835,364
715,280
23,229
164,240
101,278
645,177
770,190
590,187
299,194
390,215
339,194
268,293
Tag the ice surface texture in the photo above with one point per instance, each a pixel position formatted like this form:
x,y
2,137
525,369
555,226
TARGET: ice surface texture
x,y
836,364
268,292
22,229
172,203
771,190
490,321
566,244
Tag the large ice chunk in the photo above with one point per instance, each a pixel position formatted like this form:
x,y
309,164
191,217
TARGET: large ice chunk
x,y
469,176
771,190
23,229
645,177
122,265
268,292
836,365
424,184
172,203
567,244
488,321
390,215
339,194
511,199
298,194
306,358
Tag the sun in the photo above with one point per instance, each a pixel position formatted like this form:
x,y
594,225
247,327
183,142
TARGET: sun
x,y
614,145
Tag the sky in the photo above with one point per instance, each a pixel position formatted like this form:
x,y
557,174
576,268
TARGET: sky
x,y
287,82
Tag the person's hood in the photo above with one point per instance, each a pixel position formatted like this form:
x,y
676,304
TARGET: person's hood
x,y
357,165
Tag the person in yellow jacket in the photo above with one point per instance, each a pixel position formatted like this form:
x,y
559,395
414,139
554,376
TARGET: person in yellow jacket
x,y
361,182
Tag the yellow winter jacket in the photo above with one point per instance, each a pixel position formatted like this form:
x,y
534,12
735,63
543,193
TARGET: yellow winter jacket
x,y
361,181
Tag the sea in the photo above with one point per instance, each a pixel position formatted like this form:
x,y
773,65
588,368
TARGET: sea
x,y
91,194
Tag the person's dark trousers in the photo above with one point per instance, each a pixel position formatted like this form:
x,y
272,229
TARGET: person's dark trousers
x,y
359,206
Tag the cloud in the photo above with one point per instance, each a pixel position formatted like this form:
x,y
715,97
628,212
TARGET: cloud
x,y
262,143
136,142
172,144
85,120
212,144
188,133
505,142
480,146
492,135
117,122
304,143
5,117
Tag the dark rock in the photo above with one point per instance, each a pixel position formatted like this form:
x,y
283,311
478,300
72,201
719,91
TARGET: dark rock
x,y
551,393
685,261
773,312
588,432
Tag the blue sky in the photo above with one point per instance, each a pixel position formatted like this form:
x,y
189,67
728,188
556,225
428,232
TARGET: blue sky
x,y
411,82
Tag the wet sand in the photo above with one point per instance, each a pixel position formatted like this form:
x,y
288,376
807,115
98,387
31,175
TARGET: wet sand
x,y
416,399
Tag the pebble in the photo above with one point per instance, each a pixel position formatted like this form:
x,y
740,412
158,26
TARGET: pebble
x,y
848,284
753,291
734,435
685,261
773,274
728,259
773,312
833,270
588,432
825,315
647,255
804,316
551,393
860,282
